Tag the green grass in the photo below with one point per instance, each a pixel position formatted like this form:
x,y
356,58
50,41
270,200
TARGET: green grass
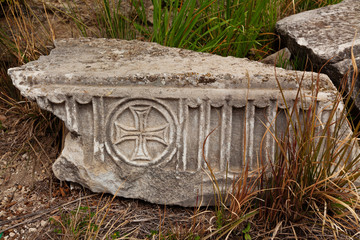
x,y
241,28
85,222
220,27
114,25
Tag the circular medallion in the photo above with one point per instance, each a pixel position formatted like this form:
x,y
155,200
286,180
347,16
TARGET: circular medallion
x,y
141,133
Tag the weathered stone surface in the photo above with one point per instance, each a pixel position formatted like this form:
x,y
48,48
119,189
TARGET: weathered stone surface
x,y
324,34
281,59
139,114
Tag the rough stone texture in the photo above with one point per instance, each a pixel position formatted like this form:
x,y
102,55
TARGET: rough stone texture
x,y
281,59
139,114
324,34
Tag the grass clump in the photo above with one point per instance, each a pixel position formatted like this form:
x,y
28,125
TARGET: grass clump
x,y
113,23
91,221
312,182
241,28
313,174
222,27
25,37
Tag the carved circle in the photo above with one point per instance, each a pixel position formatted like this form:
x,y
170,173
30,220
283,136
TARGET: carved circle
x,y
141,124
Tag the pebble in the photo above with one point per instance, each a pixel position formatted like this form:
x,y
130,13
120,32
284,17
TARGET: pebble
x,y
32,229
20,209
2,213
12,234
4,201
43,223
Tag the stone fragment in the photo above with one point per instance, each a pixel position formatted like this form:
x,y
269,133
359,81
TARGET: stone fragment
x,y
143,118
2,118
326,34
43,223
32,230
281,59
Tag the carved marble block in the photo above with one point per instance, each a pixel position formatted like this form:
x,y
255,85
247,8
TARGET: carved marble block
x,y
143,118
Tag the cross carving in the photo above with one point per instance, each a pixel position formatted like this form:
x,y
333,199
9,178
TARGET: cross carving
x,y
141,133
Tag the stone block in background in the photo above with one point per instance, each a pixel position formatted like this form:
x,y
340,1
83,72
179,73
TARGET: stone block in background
x,y
139,113
324,34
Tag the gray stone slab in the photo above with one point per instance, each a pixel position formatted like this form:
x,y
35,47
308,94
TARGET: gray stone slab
x,y
326,34
139,114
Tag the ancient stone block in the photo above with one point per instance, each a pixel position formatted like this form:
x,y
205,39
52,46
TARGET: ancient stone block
x,y
139,114
326,34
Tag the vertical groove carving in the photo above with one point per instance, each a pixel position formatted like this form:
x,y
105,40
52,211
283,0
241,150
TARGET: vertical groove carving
x,y
225,136
319,119
71,113
213,147
192,139
207,113
250,122
98,112
181,154
259,134
270,141
201,135
185,130
237,138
